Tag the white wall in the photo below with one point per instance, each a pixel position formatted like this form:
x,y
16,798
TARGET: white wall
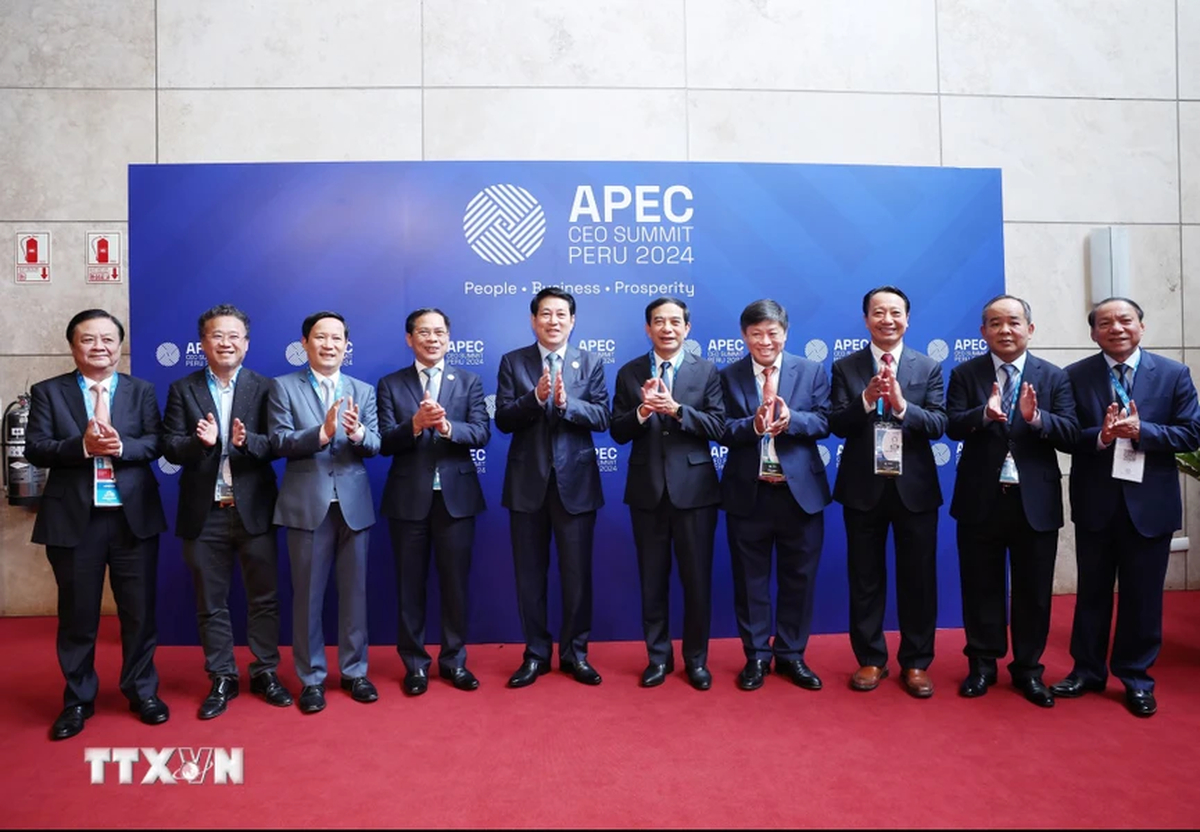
x,y
1090,107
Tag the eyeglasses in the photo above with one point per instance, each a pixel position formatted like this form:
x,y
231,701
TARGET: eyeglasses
x,y
224,337
431,333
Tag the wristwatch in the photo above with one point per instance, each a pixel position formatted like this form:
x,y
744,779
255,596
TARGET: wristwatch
x,y
679,413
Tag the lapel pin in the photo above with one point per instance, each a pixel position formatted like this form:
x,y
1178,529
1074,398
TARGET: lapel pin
x,y
574,365
450,377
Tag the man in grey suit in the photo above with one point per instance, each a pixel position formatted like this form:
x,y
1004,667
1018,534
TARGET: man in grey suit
x,y
323,423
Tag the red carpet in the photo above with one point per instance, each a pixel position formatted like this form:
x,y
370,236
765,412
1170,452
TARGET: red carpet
x,y
559,754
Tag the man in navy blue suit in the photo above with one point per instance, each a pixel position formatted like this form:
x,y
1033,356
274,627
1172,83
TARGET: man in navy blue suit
x,y
1012,411
1136,410
552,397
774,492
668,403
430,417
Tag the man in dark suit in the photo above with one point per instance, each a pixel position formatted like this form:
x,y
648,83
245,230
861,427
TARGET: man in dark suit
x,y
97,431
1012,411
551,397
216,428
323,423
668,403
888,385
430,417
774,492
1136,409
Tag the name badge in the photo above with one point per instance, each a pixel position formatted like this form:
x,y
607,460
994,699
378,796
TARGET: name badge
x,y
1008,471
104,484
1129,464
769,467
889,449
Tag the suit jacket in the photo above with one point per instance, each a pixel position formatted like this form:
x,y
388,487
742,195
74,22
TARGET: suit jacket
x,y
188,401
667,452
1170,423
313,475
920,378
54,440
804,387
977,485
408,494
539,435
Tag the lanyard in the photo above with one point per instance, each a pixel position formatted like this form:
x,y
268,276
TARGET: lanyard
x,y
656,365
1122,393
87,393
337,393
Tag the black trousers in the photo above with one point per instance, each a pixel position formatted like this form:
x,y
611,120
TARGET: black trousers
x,y
982,550
691,531
211,557
777,523
1119,554
915,535
132,564
573,538
450,540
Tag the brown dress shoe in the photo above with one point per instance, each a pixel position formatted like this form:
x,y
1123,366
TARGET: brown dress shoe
x,y
917,683
868,677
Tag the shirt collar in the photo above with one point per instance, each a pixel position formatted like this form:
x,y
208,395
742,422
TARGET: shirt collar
x,y
421,368
758,368
1018,362
894,352
335,378
1131,362
561,352
675,362
212,377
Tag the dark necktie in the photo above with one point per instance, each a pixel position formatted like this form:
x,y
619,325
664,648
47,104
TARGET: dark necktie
x,y
664,373
1006,395
552,359
1123,372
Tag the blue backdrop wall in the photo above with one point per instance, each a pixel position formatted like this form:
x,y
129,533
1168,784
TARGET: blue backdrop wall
x,y
477,239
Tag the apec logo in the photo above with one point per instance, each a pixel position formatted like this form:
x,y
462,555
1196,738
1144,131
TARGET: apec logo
x,y
489,401
824,452
168,354
725,350
941,453
844,346
479,457
967,348
816,350
168,468
504,224
938,350
168,766
466,353
719,454
605,348
606,458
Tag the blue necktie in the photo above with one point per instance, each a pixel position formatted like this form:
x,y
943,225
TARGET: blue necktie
x,y
431,387
1123,372
552,360
1006,395
664,373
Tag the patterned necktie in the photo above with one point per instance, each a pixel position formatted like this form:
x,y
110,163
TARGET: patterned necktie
x,y
768,383
101,406
1123,372
886,358
664,373
1006,395
552,359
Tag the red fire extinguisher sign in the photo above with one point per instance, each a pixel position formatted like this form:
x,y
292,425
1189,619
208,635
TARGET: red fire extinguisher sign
x,y
104,257
33,257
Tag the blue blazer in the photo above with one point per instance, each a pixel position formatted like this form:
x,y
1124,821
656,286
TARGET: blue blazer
x,y
408,493
804,387
314,474
54,440
669,453
920,379
539,435
977,484
1170,423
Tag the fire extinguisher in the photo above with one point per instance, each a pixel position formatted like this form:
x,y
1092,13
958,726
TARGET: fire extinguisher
x,y
102,250
31,250
23,482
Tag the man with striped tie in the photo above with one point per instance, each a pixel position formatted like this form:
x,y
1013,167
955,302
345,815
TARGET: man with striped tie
x,y
1012,411
1137,409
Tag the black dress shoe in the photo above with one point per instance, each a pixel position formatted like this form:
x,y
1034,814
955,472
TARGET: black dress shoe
x,y
416,682
528,673
360,687
268,686
583,672
1140,702
1036,692
70,721
1073,687
312,699
699,677
151,710
751,677
798,672
655,674
460,677
224,688
976,684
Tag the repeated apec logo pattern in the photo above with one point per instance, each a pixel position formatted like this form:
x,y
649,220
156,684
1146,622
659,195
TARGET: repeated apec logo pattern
x,y
504,224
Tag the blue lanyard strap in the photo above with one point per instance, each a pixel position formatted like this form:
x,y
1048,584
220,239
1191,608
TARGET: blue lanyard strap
x,y
87,394
337,393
